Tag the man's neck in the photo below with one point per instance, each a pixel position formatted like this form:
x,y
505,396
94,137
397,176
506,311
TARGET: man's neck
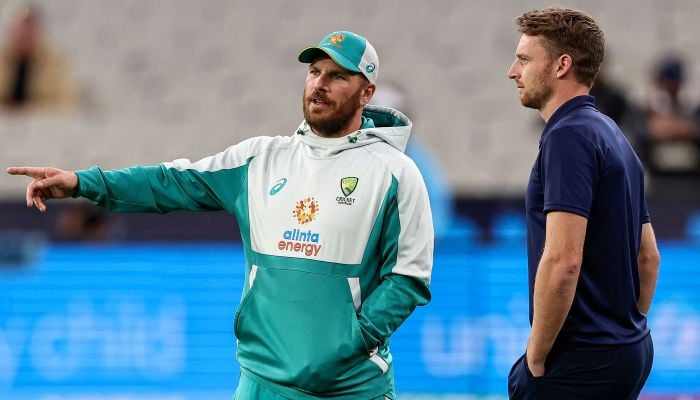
x,y
562,95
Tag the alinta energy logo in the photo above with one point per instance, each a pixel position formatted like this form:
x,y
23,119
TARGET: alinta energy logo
x,y
297,240
306,210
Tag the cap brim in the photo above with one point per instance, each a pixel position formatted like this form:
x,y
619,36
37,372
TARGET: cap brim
x,y
310,53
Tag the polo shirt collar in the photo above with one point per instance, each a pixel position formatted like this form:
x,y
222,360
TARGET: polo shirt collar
x,y
576,102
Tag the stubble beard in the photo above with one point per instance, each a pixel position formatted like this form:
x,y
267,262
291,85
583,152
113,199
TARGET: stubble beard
x,y
339,118
538,95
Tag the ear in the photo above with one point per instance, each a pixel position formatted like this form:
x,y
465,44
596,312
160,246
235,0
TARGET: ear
x,y
565,65
367,94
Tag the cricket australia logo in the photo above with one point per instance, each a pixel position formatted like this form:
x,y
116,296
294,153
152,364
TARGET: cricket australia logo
x,y
336,39
305,210
347,186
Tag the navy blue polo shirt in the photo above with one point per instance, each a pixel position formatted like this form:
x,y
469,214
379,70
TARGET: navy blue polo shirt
x,y
587,167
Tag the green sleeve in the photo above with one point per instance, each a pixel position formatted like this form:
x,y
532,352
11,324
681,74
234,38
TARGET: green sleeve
x,y
389,306
159,189
402,287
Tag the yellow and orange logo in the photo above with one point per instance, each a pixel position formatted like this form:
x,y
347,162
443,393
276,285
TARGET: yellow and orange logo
x,y
306,210
336,39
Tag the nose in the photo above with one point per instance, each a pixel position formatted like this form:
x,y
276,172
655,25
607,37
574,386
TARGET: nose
x,y
512,72
320,82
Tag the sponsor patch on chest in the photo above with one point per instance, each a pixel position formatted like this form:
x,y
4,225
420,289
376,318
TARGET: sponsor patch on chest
x,y
297,241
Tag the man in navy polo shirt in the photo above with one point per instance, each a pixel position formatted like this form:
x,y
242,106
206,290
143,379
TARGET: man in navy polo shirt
x,y
593,260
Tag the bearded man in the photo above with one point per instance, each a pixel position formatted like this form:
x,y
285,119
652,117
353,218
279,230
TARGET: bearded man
x,y
335,223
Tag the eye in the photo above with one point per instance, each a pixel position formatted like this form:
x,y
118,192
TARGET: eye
x,y
339,77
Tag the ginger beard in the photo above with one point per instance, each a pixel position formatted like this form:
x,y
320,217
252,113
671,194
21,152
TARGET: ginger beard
x,y
334,118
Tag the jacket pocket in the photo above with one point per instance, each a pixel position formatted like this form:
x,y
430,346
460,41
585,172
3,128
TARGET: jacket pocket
x,y
241,307
300,329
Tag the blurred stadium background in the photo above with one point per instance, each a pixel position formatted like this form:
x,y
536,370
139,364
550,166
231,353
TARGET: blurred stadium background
x,y
97,306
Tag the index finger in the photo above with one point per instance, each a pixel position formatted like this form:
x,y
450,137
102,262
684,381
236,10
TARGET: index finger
x,y
34,172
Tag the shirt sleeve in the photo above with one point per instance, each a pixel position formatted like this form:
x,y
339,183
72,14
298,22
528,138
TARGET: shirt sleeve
x,y
211,183
570,168
156,189
406,250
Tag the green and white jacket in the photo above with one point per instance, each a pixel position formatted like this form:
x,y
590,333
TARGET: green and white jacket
x,y
338,242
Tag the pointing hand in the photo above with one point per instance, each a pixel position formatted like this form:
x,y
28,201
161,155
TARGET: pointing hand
x,y
47,183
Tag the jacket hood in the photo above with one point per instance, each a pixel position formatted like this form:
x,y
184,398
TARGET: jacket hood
x,y
390,126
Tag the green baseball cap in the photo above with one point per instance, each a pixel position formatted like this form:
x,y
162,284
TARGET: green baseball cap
x,y
349,50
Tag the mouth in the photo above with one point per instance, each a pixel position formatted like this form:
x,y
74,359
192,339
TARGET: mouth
x,y
318,102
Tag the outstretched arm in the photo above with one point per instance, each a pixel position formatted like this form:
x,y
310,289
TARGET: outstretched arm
x,y
47,183
211,183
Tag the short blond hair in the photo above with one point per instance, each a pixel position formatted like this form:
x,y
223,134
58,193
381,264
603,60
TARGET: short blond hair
x,y
568,31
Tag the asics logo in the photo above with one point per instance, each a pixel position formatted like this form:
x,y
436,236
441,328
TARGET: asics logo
x,y
278,186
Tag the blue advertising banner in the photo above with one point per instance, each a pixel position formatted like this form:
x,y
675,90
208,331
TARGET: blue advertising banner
x,y
154,322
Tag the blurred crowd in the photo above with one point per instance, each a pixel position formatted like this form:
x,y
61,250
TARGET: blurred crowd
x,y
32,73
664,127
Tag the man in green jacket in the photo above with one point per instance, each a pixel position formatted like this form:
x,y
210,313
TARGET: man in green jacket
x,y
335,223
